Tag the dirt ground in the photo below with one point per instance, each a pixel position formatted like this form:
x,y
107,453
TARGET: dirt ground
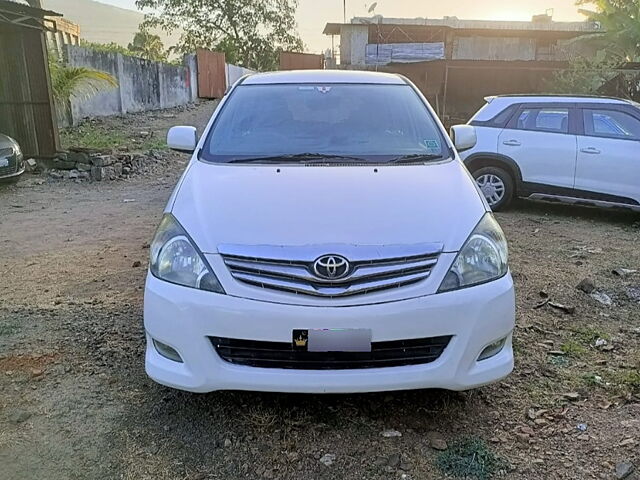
x,y
75,402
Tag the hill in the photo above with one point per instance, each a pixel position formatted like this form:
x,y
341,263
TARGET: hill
x,y
102,23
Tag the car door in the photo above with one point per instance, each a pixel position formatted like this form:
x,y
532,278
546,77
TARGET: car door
x,y
609,153
541,139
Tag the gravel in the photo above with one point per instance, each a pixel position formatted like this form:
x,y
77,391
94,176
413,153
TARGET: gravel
x,y
76,402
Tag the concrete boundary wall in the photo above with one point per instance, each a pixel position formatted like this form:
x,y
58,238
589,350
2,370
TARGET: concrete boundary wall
x,y
142,85
108,101
235,73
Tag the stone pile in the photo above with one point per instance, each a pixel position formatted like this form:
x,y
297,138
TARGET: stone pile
x,y
102,166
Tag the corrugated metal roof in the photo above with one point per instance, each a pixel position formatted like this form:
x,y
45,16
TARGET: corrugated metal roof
x,y
458,24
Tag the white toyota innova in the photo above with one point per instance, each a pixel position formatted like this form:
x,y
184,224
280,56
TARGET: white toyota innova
x,y
326,238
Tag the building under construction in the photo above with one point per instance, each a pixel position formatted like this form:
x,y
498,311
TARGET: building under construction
x,y
456,63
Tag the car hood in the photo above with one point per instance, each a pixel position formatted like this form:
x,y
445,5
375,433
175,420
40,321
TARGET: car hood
x,y
298,205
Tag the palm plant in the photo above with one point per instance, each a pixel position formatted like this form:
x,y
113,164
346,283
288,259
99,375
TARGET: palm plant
x,y
80,83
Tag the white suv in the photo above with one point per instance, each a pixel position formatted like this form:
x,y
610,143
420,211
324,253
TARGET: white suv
x,y
581,150
326,238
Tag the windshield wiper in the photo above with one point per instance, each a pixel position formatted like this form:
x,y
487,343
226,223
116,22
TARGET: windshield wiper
x,y
416,158
298,158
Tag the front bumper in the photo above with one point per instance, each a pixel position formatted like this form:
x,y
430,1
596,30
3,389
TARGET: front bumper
x,y
13,176
185,318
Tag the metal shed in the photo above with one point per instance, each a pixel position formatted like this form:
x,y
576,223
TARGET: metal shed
x,y
27,112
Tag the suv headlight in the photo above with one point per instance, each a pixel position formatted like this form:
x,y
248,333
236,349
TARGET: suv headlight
x,y
483,258
176,259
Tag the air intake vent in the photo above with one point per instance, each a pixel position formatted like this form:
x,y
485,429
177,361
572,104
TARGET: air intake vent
x,y
282,355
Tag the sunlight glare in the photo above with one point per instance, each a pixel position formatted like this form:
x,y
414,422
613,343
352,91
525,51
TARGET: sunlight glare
x,y
510,14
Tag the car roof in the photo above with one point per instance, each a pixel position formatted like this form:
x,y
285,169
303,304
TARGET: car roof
x,y
559,98
323,76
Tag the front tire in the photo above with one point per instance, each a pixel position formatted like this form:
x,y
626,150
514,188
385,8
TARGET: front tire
x,y
496,185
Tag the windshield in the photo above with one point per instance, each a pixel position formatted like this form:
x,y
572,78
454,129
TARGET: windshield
x,y
343,122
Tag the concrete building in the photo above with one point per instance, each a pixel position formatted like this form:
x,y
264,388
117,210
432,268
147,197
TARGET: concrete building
x,y
456,63
62,32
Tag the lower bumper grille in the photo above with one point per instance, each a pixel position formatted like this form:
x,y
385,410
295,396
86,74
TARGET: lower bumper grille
x,y
10,169
282,355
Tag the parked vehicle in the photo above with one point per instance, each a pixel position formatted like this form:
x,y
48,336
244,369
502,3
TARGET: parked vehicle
x,y
580,150
11,159
325,237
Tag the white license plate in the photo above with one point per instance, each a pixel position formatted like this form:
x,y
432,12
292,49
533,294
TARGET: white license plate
x,y
339,340
4,162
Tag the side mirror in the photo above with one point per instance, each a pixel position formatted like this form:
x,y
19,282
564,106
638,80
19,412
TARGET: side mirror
x,y
464,137
183,139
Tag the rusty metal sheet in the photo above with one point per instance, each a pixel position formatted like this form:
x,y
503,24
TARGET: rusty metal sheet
x,y
301,61
212,81
27,109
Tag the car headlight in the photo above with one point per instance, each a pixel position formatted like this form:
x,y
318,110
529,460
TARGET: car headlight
x,y
6,155
483,258
176,259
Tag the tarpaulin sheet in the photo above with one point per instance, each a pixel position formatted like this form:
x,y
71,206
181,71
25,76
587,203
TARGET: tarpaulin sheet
x,y
385,53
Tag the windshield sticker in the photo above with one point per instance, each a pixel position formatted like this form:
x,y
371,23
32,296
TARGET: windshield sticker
x,y
433,146
324,89
306,89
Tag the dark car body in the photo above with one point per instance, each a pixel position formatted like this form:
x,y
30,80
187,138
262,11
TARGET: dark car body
x,y
11,159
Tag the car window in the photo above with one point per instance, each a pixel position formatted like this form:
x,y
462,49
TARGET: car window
x,y
499,120
544,119
611,124
503,117
368,122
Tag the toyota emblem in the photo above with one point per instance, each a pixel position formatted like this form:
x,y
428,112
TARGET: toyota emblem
x,y
331,267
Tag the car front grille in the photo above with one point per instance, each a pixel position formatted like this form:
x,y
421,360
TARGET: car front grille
x,y
282,355
7,154
291,269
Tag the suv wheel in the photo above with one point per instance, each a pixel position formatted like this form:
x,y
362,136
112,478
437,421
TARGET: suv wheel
x,y
496,185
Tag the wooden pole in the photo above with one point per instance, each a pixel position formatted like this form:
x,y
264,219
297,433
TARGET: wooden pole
x,y
446,88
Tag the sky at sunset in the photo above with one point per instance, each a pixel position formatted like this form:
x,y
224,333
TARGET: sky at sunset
x,y
313,14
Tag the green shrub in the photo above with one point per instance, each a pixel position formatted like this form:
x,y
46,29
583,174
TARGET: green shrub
x,y
470,458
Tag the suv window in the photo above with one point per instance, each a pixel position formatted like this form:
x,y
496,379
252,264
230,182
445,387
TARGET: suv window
x,y
611,124
550,119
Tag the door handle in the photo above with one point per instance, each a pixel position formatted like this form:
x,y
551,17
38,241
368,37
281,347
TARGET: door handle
x,y
591,151
512,143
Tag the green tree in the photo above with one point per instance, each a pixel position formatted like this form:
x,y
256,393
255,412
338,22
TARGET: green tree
x,y
585,76
149,46
105,47
251,32
620,20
